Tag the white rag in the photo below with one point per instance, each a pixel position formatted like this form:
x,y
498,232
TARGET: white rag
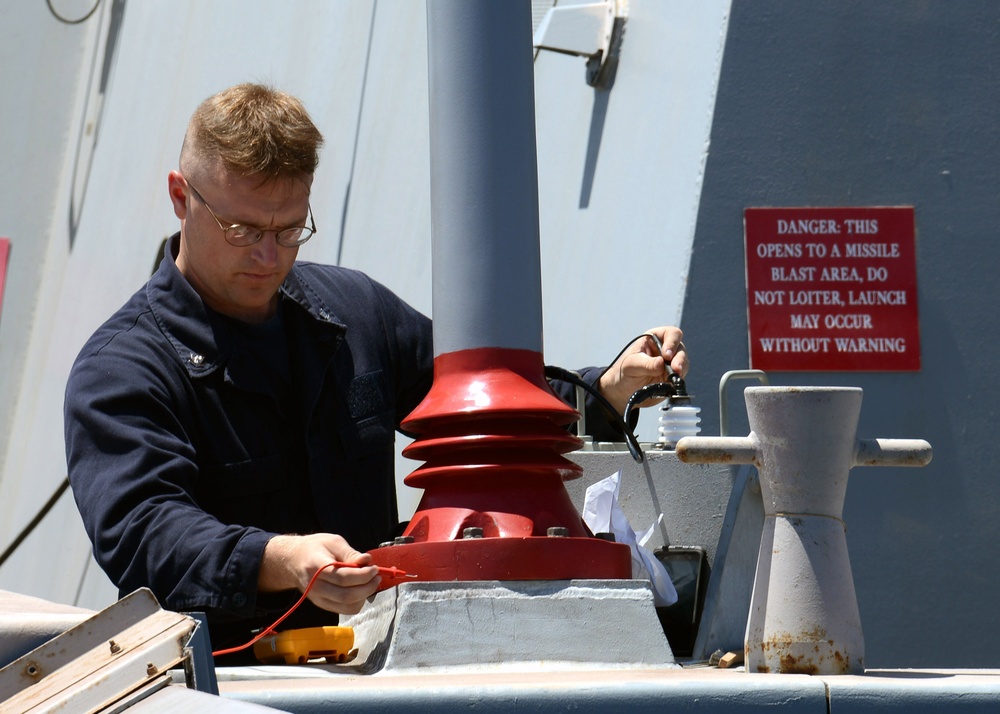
x,y
603,514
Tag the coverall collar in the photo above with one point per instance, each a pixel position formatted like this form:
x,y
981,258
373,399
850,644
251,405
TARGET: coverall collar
x,y
201,343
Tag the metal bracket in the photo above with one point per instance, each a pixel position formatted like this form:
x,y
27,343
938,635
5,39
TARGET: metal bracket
x,y
584,28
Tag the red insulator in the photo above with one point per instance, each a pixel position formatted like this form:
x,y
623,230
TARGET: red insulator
x,y
492,434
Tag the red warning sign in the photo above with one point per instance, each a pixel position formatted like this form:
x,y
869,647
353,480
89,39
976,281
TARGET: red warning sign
x,y
832,289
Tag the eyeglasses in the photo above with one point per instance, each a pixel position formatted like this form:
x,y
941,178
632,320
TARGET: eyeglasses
x,y
242,236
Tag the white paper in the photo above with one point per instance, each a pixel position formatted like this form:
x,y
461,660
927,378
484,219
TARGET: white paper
x,y
603,514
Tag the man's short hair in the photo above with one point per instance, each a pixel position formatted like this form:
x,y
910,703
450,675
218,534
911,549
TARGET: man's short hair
x,y
254,130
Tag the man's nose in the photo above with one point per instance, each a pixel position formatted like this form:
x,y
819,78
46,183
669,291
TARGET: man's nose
x,y
265,251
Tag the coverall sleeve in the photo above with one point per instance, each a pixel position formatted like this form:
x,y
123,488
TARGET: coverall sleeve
x,y
600,425
132,466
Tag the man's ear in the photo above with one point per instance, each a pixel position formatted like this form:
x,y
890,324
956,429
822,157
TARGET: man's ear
x,y
178,190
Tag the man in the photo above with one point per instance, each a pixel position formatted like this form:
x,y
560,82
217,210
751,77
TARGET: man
x,y
230,430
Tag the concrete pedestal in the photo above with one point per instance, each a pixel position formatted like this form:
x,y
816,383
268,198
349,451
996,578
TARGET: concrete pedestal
x,y
510,623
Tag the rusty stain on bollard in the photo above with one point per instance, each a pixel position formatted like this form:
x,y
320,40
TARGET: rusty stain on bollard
x,y
817,660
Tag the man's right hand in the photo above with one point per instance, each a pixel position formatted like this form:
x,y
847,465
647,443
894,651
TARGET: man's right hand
x,y
290,562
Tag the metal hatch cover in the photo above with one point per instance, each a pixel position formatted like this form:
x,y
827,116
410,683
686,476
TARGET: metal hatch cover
x,y
126,646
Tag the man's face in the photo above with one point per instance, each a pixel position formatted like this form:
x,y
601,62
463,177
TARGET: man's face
x,y
241,282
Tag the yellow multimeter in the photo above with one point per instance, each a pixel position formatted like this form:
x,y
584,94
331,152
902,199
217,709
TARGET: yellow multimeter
x,y
335,644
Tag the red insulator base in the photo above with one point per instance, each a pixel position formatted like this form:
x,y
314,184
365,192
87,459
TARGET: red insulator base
x,y
492,435
507,559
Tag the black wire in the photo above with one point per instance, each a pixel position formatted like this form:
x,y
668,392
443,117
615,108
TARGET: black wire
x,y
657,389
565,375
35,521
67,21
552,372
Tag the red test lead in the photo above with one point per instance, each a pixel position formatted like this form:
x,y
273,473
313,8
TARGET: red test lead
x,y
392,573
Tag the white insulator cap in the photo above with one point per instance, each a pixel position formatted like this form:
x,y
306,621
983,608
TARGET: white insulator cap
x,y
678,422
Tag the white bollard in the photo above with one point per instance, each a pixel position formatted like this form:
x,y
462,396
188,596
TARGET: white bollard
x,y
803,440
